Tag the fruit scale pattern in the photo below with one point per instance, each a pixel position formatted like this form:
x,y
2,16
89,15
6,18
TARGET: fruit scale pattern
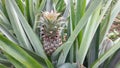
x,y
51,26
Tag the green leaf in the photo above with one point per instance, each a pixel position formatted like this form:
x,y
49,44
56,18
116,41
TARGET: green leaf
x,y
93,51
110,52
5,27
114,12
15,62
105,23
29,12
36,57
67,65
76,31
89,32
72,15
3,8
80,10
60,6
103,27
113,60
18,53
29,32
18,29
49,64
42,5
44,62
3,66
5,21
37,13
71,26
21,5
4,60
7,33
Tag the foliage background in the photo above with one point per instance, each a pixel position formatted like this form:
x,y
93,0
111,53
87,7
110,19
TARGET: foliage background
x,y
88,25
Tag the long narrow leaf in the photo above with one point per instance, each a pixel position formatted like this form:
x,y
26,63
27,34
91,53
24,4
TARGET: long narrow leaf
x,y
88,34
41,6
110,52
21,5
31,10
31,35
7,33
27,12
18,53
92,54
21,36
114,13
4,60
4,19
74,34
16,63
80,11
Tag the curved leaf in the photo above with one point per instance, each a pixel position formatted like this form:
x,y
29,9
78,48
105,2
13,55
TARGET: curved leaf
x,y
110,52
18,53
18,29
76,31
29,32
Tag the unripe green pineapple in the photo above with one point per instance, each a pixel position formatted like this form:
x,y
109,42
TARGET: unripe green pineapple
x,y
51,26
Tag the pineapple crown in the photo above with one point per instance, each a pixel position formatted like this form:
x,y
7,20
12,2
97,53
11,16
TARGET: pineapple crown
x,y
51,20
51,16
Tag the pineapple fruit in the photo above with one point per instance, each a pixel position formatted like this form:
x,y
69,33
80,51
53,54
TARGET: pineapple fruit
x,y
51,26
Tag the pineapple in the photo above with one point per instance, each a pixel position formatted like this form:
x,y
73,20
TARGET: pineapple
x,y
51,26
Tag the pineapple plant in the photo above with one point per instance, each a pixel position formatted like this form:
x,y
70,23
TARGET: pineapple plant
x,y
51,26
58,34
